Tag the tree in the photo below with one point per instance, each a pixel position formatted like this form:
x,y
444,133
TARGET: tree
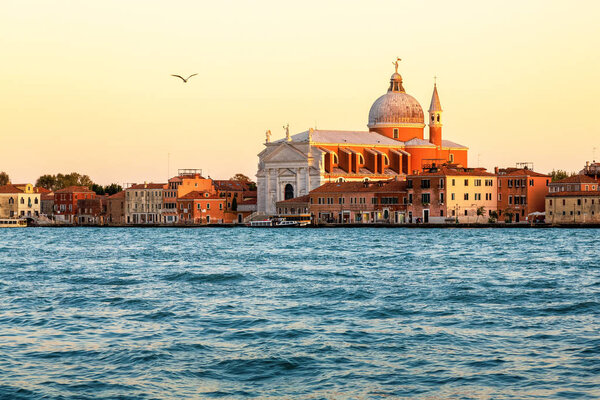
x,y
508,215
113,188
559,174
480,212
241,178
4,178
61,181
98,189
46,181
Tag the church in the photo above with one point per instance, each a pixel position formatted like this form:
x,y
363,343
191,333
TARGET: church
x,y
393,147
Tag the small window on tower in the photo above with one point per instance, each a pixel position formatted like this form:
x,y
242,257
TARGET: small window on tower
x,y
438,118
395,133
432,118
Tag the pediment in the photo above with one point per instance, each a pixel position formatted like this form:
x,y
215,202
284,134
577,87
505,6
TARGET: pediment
x,y
287,173
285,152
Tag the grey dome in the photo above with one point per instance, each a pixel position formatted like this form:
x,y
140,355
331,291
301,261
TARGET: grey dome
x,y
395,108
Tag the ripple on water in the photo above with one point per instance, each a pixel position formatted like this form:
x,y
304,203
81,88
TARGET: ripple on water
x,y
299,314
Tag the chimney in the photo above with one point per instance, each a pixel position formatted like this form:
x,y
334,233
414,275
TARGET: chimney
x,y
496,170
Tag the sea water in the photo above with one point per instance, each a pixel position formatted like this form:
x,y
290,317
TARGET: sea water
x,y
299,313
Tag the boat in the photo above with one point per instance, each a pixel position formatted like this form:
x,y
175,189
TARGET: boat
x,y
261,224
13,223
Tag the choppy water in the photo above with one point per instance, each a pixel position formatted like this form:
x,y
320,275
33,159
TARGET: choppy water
x,y
299,314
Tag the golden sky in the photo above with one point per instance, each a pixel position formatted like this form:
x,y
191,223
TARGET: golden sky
x,y
85,85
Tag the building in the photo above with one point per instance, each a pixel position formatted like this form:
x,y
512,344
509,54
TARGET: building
x,y
143,203
115,209
20,201
65,202
201,208
591,170
575,183
451,194
92,211
577,207
393,147
47,204
521,192
295,206
186,181
358,202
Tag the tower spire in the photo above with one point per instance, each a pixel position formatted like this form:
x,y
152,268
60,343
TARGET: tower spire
x,y
435,117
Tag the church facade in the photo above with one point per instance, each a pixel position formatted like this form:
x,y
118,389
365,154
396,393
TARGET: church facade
x,y
393,147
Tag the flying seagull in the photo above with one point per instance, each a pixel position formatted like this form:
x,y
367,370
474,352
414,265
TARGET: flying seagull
x,y
182,78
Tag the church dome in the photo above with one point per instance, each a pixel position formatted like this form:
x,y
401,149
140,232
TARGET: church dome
x,y
395,107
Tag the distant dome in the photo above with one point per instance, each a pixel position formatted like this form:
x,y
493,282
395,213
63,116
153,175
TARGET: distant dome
x,y
395,108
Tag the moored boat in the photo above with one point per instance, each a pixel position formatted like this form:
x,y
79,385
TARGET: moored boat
x,y
13,223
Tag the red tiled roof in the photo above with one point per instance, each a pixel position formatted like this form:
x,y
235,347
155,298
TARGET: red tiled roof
x,y
147,186
47,196
445,171
577,179
520,172
593,193
248,202
39,189
300,199
229,185
118,195
352,187
10,189
75,189
199,195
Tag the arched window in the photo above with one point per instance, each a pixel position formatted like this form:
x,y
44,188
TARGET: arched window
x,y
432,118
11,201
340,180
208,219
335,158
288,192
438,118
361,159
22,200
386,160
36,200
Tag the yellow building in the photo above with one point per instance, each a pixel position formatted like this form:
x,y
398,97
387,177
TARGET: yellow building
x,y
452,194
582,207
19,201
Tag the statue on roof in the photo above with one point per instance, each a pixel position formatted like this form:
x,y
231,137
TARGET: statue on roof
x,y
396,63
268,134
287,132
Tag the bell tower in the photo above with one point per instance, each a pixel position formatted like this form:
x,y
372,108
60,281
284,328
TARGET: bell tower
x,y
435,118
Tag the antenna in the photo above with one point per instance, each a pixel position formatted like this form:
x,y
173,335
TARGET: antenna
x,y
168,165
594,154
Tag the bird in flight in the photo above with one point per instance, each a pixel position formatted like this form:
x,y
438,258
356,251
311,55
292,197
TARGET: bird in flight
x,y
182,78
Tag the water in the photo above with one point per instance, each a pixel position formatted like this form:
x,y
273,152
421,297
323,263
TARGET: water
x,y
299,314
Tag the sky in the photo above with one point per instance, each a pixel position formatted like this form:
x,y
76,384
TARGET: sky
x,y
85,86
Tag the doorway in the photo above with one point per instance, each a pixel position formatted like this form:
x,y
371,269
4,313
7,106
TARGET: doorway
x,y
425,216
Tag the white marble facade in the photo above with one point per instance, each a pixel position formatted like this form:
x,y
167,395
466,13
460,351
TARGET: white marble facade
x,y
286,163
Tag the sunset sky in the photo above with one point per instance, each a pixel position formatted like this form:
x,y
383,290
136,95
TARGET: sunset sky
x,y
85,85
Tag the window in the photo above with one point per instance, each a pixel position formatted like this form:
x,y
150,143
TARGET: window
x,y
578,202
451,157
22,200
409,184
199,206
425,198
425,184
208,206
410,198
453,182
531,182
442,183
466,212
442,198
510,183
477,196
466,197
395,133
441,213
453,197
477,182
510,200
466,182
339,200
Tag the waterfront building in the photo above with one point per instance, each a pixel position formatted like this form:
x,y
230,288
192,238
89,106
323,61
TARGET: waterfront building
x,y
18,201
115,208
575,183
246,207
521,192
186,181
47,204
295,206
201,207
449,193
393,147
575,207
65,202
358,202
143,203
92,211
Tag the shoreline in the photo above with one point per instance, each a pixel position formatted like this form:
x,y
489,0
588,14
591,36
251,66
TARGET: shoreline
x,y
338,226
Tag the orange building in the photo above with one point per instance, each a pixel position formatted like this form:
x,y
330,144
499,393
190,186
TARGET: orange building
x,y
575,183
394,147
521,192
201,207
358,202
186,181
65,202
